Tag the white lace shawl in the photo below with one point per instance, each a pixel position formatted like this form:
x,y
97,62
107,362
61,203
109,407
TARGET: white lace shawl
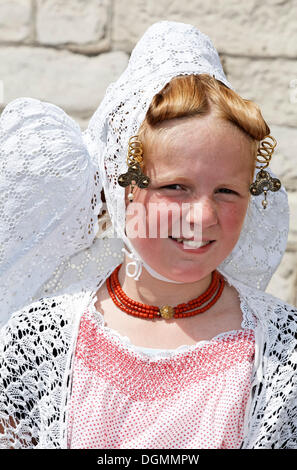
x,y
36,360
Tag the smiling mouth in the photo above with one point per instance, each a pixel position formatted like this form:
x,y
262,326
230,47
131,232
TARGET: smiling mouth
x,y
192,243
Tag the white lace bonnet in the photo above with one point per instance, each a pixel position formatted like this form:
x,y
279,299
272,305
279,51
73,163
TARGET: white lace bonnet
x,y
52,175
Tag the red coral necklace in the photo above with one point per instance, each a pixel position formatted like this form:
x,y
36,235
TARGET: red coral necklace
x,y
198,305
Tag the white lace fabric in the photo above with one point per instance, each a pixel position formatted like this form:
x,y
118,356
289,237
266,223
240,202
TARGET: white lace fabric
x,y
51,176
50,195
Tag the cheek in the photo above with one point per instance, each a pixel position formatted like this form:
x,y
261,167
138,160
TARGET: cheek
x,y
142,219
232,218
157,215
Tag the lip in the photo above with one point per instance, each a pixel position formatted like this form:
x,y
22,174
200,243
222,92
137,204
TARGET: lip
x,y
190,238
201,249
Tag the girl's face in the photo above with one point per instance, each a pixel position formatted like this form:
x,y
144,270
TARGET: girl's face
x,y
204,167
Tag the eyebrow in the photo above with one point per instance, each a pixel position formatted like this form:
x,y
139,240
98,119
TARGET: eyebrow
x,y
165,179
233,182
187,179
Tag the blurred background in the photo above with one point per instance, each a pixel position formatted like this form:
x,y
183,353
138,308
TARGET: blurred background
x,y
68,51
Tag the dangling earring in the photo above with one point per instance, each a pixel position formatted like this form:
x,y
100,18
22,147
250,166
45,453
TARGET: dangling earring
x,y
134,175
264,182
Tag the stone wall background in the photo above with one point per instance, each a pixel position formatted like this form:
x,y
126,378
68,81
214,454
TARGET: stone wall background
x,y
68,51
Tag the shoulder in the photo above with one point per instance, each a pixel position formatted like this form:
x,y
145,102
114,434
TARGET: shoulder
x,y
263,301
278,308
282,321
274,314
47,323
278,320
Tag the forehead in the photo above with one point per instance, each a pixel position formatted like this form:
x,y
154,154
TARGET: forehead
x,y
184,144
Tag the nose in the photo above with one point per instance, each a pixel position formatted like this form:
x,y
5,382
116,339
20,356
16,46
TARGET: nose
x,y
202,213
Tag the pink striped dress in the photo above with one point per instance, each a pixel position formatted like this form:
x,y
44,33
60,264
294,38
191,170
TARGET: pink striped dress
x,y
126,397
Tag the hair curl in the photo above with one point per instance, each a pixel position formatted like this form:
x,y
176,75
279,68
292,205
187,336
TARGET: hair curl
x,y
198,95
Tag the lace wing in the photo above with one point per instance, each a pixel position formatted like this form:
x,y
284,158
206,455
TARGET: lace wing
x,y
49,197
34,344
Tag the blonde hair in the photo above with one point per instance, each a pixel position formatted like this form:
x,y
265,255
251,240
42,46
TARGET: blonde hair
x,y
197,95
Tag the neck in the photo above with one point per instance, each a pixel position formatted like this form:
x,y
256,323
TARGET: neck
x,y
152,291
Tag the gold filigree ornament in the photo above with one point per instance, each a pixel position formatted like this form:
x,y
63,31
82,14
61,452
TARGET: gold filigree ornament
x,y
134,175
264,182
167,312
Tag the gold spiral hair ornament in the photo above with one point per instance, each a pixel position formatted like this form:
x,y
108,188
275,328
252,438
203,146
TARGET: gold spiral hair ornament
x,y
134,175
264,182
265,151
135,151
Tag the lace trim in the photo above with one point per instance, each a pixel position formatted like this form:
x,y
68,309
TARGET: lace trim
x,y
248,323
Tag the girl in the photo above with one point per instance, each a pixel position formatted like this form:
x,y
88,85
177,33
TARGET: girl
x,y
180,347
